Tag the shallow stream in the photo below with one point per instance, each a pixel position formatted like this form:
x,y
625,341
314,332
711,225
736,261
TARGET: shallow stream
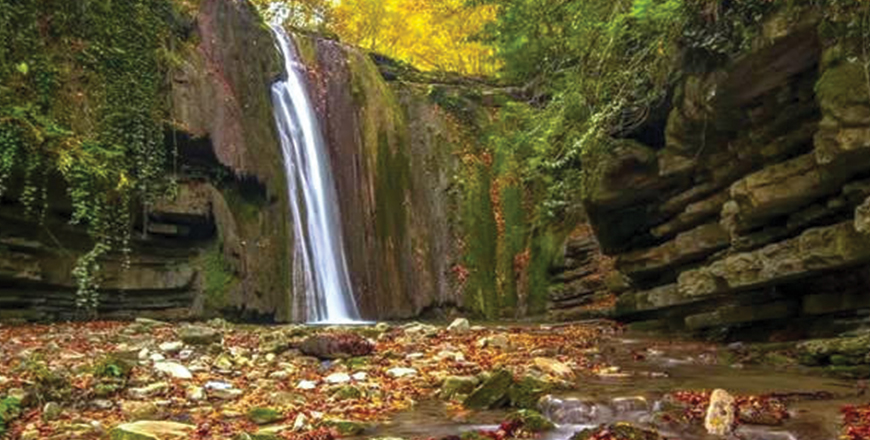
x,y
650,369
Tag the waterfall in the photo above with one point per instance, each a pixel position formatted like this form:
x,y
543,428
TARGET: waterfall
x,y
320,267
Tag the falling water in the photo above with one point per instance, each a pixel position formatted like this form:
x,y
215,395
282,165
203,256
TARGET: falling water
x,y
320,268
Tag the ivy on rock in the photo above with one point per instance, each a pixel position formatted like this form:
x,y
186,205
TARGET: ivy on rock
x,y
84,98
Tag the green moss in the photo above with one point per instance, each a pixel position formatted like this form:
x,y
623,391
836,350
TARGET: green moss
x,y
493,393
532,421
306,46
481,240
392,181
10,408
842,85
527,392
218,279
264,416
545,248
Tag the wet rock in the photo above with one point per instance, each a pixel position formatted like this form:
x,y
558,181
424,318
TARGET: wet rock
x,y
617,431
336,346
459,326
630,404
199,335
571,411
493,393
264,416
174,370
720,419
457,385
150,430
527,392
531,421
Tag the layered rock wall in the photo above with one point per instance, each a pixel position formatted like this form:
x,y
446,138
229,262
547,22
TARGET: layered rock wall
x,y
752,213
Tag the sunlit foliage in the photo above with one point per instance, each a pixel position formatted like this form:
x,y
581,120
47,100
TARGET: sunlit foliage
x,y
431,35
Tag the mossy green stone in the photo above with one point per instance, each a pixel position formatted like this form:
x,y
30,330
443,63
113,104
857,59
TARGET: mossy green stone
x,y
493,393
527,392
532,421
264,416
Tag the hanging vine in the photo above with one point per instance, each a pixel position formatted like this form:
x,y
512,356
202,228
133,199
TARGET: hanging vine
x,y
82,97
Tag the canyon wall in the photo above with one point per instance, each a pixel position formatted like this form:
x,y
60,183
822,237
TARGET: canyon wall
x,y
752,215
219,245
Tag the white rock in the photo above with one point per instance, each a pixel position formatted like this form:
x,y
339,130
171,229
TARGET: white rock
x,y
414,356
185,354
306,385
720,414
338,378
157,357
360,376
300,422
459,326
401,372
143,354
171,347
177,371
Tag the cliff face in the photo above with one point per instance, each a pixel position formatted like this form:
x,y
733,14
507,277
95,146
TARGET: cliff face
x,y
754,209
391,151
220,244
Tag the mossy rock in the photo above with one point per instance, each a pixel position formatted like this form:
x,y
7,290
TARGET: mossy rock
x,y
527,392
532,421
264,416
457,385
347,392
842,85
493,393
148,430
617,431
837,351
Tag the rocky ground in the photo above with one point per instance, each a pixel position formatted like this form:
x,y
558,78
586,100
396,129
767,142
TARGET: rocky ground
x,y
152,380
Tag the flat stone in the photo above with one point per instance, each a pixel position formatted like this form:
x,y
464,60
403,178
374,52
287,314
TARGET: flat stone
x,y
171,347
401,372
150,430
336,378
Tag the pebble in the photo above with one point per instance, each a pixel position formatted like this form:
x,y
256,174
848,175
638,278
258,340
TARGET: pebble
x,y
171,347
102,404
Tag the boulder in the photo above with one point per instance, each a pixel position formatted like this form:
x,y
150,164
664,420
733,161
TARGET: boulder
x,y
149,430
527,392
336,346
493,393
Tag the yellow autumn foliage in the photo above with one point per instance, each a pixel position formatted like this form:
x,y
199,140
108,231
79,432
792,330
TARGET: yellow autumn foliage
x,y
428,34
